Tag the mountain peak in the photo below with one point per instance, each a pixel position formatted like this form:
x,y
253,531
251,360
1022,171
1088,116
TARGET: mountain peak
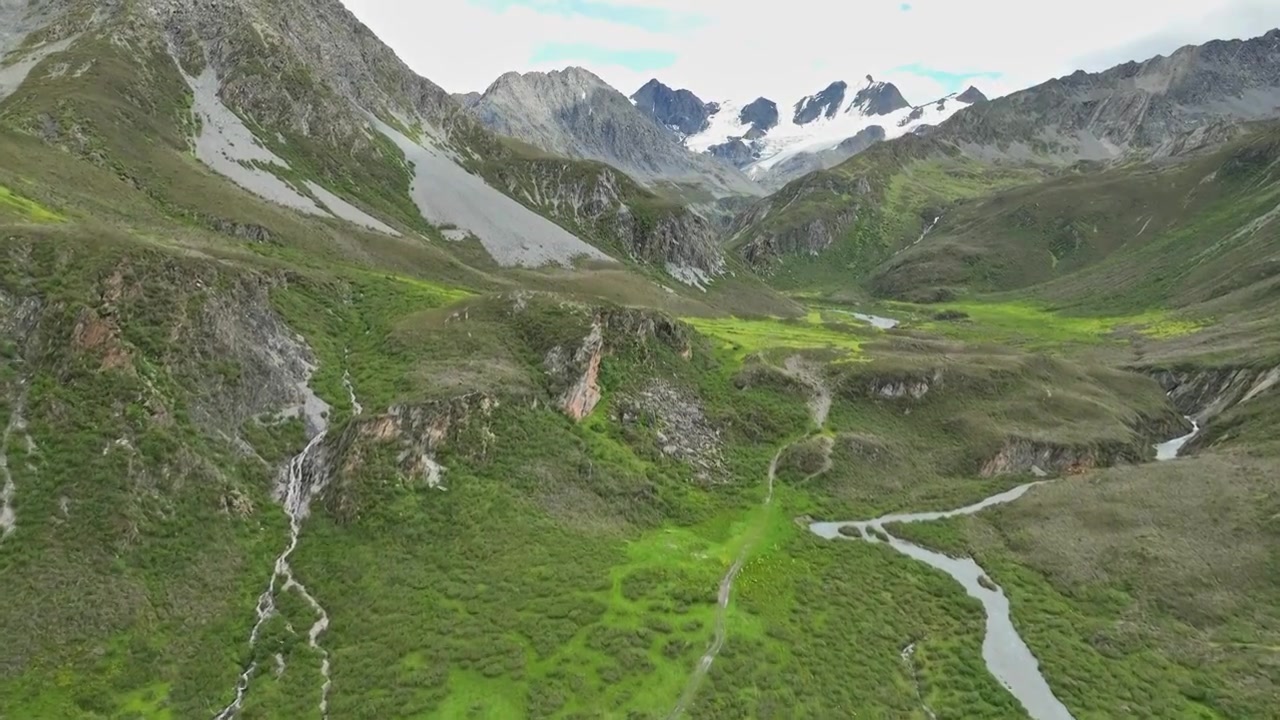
x,y
971,95
679,110
761,114
879,98
827,102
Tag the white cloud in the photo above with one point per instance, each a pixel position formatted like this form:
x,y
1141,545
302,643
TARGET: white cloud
x,y
787,48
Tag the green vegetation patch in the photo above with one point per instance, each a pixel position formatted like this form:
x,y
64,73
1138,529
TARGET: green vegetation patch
x,y
1032,325
742,336
13,204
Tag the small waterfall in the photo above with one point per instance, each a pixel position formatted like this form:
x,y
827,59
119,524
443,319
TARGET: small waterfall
x,y
299,485
297,494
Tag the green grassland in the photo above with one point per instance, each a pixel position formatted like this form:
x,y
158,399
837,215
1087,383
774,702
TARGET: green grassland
x,y
570,570
1144,588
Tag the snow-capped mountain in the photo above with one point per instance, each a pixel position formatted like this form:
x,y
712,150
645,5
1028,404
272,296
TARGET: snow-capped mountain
x,y
774,145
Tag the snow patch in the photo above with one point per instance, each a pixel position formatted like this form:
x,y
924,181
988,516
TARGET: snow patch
x,y
788,139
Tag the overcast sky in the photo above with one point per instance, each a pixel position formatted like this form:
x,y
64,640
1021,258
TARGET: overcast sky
x,y
784,49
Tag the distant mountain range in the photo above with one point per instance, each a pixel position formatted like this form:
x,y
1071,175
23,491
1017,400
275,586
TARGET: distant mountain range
x,y
774,145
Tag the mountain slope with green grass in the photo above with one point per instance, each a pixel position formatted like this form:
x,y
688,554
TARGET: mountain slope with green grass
x,y
271,460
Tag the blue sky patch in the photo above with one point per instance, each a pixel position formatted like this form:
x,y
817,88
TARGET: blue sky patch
x,y
621,13
588,54
950,80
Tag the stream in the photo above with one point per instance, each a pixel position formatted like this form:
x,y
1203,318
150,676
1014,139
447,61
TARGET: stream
x,y
1007,657
298,487
1170,449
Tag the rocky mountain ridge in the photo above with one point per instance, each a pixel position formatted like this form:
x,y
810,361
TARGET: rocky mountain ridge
x,y
815,132
574,113
1160,110
297,102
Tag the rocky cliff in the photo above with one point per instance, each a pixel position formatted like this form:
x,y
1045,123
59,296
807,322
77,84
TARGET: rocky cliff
x,y
605,205
680,111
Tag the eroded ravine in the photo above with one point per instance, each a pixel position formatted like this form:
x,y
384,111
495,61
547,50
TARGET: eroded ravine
x,y
298,486
819,407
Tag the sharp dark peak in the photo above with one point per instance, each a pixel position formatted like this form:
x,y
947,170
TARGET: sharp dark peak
x,y
679,110
971,96
761,114
653,86
879,98
828,102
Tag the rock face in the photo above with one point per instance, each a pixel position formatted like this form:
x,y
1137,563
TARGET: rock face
x,y
1022,456
584,394
761,114
761,241
972,96
602,203
576,114
682,430
881,99
678,110
736,152
1206,394
417,432
825,103
574,370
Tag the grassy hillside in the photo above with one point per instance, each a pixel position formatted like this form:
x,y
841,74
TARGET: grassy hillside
x,y
533,482
1127,238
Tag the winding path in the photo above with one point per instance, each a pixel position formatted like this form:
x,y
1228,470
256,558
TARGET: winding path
x,y
819,407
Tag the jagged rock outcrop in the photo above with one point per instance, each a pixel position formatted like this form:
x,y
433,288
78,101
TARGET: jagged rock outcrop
x,y
583,394
573,370
1207,393
1132,108
680,111
761,114
972,95
1021,456
413,434
879,98
827,103
736,152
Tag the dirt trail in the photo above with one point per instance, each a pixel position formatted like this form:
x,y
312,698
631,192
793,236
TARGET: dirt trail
x,y
819,408
820,403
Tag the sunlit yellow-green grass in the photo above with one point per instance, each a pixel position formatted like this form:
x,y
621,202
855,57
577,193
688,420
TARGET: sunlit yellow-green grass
x,y
743,337
12,204
1030,325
